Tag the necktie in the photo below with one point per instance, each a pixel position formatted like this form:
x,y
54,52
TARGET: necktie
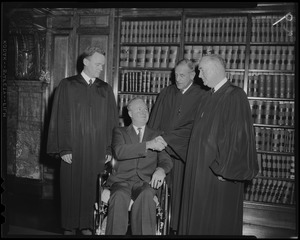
x,y
90,82
212,90
140,134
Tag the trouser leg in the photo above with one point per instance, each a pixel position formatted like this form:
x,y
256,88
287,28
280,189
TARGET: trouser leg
x,y
143,212
117,219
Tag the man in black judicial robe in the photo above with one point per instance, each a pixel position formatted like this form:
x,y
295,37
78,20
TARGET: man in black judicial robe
x,y
84,114
221,156
173,114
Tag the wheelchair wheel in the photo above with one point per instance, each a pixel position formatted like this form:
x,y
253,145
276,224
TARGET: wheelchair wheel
x,y
163,211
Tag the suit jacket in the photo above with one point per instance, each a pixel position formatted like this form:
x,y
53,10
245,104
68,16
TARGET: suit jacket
x,y
132,156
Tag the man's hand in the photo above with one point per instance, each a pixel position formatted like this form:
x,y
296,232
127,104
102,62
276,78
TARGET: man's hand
x,y
221,178
161,140
67,158
157,144
108,158
158,178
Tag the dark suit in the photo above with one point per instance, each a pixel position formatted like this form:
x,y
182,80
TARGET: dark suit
x,y
133,172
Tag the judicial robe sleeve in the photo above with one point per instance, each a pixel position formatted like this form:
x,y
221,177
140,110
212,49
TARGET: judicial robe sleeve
x,y
178,140
177,136
59,134
236,157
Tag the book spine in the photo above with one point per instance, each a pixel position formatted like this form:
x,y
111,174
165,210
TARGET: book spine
x,y
156,56
141,55
149,58
164,56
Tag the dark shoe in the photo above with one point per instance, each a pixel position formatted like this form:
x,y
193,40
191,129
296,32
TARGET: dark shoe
x,y
86,232
69,232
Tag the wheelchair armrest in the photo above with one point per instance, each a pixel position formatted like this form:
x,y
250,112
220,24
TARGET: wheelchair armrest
x,y
108,169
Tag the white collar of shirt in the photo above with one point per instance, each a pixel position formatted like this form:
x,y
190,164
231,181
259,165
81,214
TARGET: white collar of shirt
x,y
220,84
184,90
86,77
137,131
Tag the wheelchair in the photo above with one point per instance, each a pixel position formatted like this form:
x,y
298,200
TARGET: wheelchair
x,y
162,200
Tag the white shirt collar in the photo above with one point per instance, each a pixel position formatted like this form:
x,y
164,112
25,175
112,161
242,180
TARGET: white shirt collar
x,y
220,84
86,77
136,129
184,90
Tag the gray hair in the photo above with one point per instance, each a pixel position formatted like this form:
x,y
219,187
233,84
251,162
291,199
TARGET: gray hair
x,y
216,59
131,101
190,63
90,50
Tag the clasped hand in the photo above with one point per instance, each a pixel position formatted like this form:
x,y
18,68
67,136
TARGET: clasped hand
x,y
157,144
67,158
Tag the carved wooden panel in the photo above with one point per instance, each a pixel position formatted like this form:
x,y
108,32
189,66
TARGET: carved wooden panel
x,y
26,56
61,22
28,132
98,21
27,154
60,58
29,106
12,122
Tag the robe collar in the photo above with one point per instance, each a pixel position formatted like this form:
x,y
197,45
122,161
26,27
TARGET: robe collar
x,y
187,88
220,84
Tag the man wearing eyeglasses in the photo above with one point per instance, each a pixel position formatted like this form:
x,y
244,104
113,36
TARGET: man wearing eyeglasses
x,y
173,114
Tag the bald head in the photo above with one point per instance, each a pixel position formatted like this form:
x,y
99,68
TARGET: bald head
x,y
138,112
212,69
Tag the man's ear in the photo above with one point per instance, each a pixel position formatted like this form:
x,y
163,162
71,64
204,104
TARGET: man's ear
x,y
130,114
193,74
85,62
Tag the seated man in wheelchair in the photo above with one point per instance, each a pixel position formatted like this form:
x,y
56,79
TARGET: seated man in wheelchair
x,y
141,167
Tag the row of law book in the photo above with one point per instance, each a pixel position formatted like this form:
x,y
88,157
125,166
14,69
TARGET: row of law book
x,y
272,57
234,56
275,139
262,29
165,31
271,191
144,81
123,100
271,85
273,112
276,166
148,56
220,29
154,81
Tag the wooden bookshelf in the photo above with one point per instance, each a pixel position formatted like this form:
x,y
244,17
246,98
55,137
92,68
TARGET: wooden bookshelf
x,y
260,58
